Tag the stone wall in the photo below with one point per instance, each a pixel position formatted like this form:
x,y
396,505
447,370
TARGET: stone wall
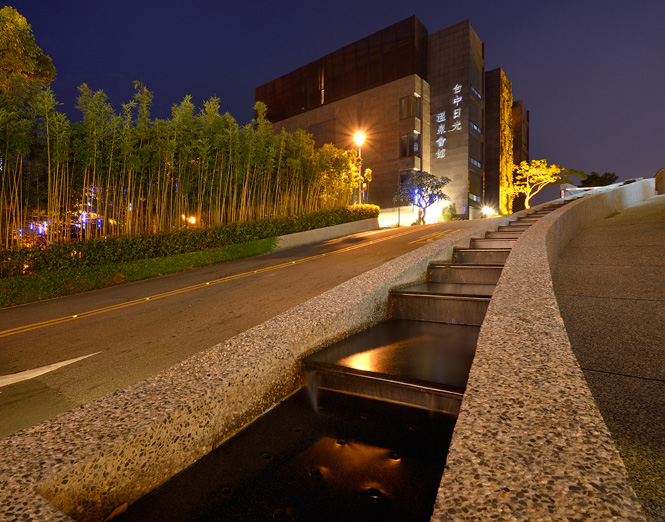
x,y
530,443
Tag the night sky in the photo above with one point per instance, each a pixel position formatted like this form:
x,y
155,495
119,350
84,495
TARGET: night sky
x,y
591,73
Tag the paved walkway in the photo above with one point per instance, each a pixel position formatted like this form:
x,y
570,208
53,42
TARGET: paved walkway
x,y
610,286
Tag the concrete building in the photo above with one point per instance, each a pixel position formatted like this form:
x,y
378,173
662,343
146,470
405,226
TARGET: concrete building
x,y
419,98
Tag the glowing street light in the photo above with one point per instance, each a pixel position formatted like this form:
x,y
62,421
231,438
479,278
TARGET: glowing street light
x,y
360,139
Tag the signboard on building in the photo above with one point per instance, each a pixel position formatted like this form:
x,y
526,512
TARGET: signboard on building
x,y
455,123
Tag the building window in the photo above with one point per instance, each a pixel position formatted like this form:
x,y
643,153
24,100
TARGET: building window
x,y
475,198
476,163
475,127
474,91
409,145
410,107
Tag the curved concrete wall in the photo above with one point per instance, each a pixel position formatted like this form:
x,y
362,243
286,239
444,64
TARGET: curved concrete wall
x,y
530,443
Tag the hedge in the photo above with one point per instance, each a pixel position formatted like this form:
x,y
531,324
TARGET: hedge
x,y
104,251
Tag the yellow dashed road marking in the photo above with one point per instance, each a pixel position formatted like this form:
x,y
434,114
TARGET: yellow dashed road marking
x,y
90,313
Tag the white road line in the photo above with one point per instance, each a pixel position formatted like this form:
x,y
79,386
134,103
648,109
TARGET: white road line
x,y
6,380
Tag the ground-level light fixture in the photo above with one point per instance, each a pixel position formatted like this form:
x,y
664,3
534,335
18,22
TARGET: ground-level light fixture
x,y
488,211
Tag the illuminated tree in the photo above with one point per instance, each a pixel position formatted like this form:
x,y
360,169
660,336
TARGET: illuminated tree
x,y
23,65
506,139
338,174
531,178
24,70
114,174
422,189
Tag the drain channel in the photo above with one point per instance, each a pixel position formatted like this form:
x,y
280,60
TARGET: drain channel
x,y
369,438
356,460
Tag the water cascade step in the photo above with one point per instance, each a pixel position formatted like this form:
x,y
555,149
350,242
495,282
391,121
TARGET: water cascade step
x,y
514,228
491,242
506,234
417,363
420,303
386,361
481,256
451,273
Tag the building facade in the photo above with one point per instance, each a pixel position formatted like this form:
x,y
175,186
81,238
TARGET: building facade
x,y
520,122
419,99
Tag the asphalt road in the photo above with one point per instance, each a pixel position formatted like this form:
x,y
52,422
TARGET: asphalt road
x,y
111,338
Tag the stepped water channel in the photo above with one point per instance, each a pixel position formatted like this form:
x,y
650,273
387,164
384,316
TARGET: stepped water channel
x,y
367,438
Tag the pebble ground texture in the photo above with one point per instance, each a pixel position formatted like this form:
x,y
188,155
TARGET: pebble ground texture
x,y
610,285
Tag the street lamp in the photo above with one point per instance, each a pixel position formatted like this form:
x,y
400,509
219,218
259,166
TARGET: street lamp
x,y
359,138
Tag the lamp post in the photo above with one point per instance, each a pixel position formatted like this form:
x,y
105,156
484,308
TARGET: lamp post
x,y
359,138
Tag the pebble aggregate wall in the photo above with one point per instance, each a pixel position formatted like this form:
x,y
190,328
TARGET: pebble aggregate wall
x,y
530,443
114,450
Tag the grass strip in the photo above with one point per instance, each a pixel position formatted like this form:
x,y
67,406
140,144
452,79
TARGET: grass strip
x,y
47,285
646,473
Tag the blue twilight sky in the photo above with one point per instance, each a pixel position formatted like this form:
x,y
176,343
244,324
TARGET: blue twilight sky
x,y
591,73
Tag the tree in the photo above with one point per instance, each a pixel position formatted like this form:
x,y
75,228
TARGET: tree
x,y
23,65
422,189
599,180
124,173
338,174
531,178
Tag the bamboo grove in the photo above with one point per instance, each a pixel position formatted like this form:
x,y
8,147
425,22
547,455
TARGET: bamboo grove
x,y
122,173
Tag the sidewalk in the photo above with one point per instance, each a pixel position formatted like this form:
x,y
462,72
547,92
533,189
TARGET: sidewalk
x,y
610,286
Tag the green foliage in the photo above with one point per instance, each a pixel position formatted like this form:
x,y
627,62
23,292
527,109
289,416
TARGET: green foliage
x,y
449,213
331,161
106,251
47,285
422,189
23,65
134,175
599,180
